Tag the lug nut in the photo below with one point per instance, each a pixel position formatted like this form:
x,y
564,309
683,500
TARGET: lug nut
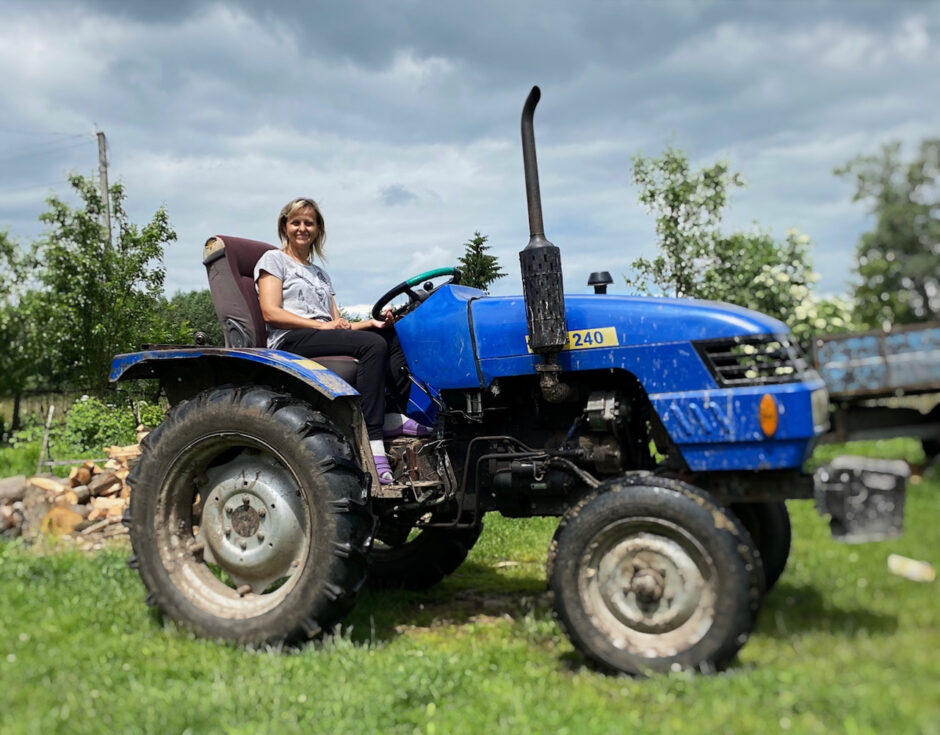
x,y
244,545
262,512
228,511
246,500
260,537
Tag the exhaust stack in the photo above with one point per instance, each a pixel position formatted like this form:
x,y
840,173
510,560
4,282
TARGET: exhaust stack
x,y
542,286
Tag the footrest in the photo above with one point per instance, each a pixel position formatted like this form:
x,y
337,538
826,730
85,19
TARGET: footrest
x,y
863,497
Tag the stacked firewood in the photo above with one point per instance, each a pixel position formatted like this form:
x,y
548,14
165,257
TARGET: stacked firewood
x,y
87,505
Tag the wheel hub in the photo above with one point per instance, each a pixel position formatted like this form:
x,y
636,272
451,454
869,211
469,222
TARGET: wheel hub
x,y
650,586
252,521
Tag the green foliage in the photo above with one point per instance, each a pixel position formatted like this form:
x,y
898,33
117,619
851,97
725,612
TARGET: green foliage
x,y
19,328
841,646
89,425
696,260
20,460
98,299
192,311
899,260
477,269
688,206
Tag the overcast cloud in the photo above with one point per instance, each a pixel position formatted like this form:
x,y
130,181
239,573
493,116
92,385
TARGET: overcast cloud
x,y
402,119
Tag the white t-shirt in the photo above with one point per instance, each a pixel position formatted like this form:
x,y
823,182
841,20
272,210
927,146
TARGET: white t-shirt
x,y
306,290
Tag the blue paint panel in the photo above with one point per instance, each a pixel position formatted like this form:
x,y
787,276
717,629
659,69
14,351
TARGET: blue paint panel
x,y
437,342
500,324
659,368
748,455
326,381
733,414
878,363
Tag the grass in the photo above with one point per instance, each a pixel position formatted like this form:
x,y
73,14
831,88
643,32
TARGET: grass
x,y
19,461
841,646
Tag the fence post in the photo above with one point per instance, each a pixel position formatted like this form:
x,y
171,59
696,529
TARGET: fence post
x,y
45,439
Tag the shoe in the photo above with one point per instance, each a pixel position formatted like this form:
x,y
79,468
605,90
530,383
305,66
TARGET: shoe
x,y
383,470
409,427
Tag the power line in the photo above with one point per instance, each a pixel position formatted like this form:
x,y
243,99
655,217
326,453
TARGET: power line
x,y
42,151
53,133
29,188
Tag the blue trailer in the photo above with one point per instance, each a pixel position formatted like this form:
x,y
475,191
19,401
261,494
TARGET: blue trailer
x,y
883,384
665,434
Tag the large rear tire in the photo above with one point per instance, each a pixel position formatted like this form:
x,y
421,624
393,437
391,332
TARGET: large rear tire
x,y
769,526
422,560
249,518
652,575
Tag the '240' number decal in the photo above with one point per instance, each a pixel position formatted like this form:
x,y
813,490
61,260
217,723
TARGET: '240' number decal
x,y
583,339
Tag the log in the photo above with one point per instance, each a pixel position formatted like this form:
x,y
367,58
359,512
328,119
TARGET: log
x,y
82,493
80,476
107,483
13,488
49,484
36,503
67,499
59,521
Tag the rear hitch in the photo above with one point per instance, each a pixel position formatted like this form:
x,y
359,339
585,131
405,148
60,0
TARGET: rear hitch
x,y
863,497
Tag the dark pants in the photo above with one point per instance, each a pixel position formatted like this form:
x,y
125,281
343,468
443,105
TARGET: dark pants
x,y
381,364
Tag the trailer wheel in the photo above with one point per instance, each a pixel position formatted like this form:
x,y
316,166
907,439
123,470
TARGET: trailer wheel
x,y
769,526
422,560
652,575
249,518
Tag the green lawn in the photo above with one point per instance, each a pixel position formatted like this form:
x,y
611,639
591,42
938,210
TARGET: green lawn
x,y
841,646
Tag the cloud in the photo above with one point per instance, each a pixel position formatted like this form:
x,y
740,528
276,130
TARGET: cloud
x,y
402,119
395,194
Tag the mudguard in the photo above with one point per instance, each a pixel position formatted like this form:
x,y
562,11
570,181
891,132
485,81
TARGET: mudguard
x,y
150,364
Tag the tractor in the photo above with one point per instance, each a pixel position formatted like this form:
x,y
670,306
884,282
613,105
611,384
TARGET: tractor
x,y
665,434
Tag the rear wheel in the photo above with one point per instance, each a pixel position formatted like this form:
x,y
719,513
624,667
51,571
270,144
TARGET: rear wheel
x,y
249,518
419,559
653,575
769,526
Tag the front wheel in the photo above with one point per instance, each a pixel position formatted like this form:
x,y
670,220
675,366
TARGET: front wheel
x,y
652,575
249,519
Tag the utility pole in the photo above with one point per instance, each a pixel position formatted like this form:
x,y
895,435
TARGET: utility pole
x,y
103,184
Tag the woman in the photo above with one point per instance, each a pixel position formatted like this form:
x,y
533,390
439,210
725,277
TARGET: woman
x,y
298,305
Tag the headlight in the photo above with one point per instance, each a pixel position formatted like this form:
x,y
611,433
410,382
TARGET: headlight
x,y
819,400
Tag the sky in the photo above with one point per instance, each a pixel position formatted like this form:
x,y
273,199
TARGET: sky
x,y
402,120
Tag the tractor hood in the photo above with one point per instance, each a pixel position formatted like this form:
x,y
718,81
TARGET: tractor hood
x,y
499,323
461,338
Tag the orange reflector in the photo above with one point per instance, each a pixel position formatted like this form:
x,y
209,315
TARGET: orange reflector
x,y
769,417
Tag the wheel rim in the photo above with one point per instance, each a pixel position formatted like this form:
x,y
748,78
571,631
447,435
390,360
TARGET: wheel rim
x,y
650,586
233,525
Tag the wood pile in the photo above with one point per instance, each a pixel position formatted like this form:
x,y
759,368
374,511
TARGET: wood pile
x,y
87,505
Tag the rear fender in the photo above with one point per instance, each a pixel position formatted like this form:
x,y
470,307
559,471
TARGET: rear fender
x,y
184,372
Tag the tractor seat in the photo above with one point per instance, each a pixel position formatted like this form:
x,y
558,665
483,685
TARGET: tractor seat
x,y
230,265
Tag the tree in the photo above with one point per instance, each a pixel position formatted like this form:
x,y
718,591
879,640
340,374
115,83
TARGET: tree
x,y
697,260
688,206
18,358
192,311
98,299
478,269
899,260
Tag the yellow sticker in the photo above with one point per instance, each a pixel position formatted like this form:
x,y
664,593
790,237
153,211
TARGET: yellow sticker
x,y
585,339
309,364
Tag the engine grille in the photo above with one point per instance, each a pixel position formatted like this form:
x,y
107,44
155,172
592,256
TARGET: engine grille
x,y
754,360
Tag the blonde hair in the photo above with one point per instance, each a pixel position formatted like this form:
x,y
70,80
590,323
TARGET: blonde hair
x,y
289,210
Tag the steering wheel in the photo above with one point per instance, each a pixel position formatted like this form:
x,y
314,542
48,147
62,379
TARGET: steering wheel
x,y
414,297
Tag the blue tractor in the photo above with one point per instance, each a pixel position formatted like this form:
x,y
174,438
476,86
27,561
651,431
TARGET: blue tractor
x,y
665,433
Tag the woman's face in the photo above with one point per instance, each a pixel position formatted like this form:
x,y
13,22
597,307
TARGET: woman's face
x,y
301,228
